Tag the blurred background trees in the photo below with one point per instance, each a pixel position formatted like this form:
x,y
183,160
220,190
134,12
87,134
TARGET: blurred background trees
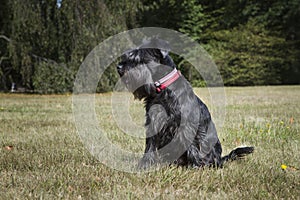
x,y
43,43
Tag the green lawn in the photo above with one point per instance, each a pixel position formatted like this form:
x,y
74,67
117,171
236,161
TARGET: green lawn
x,y
41,154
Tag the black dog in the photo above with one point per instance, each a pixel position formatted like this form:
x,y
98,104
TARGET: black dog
x,y
179,128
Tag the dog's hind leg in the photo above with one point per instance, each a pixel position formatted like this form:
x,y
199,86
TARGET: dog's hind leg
x,y
193,157
207,146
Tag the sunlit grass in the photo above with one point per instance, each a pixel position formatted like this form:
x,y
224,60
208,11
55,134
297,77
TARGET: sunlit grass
x,y
41,155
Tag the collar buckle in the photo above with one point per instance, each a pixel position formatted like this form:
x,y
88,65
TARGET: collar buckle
x,y
157,84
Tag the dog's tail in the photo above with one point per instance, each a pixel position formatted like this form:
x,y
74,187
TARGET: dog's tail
x,y
236,154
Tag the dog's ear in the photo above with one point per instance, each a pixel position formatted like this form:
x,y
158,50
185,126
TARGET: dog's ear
x,y
164,53
156,43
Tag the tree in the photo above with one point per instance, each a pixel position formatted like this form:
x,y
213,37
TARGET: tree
x,y
253,42
46,43
250,41
5,66
248,55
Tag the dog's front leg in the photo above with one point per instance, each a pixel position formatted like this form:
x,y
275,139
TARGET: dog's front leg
x,y
156,118
150,154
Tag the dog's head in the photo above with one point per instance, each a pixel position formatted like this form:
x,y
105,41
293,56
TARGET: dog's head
x,y
141,67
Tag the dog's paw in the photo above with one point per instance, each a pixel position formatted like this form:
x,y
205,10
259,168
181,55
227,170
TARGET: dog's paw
x,y
146,162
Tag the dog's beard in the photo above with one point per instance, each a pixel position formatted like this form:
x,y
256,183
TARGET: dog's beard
x,y
138,80
145,91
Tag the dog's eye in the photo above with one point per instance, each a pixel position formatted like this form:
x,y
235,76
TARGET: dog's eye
x,y
120,66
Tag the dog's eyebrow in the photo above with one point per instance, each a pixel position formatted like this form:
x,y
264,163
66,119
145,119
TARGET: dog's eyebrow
x,y
131,53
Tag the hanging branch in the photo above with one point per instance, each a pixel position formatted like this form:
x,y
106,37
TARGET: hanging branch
x,y
48,60
5,38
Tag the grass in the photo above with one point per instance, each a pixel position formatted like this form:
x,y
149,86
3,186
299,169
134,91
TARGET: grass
x,y
42,157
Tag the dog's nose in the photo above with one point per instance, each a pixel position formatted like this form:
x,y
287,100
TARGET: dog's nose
x,y
120,70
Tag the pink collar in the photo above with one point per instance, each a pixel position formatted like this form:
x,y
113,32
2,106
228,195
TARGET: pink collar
x,y
167,80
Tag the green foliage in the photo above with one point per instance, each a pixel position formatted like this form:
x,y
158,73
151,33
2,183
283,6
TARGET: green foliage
x,y
247,55
52,78
108,80
193,19
42,35
163,13
198,83
253,42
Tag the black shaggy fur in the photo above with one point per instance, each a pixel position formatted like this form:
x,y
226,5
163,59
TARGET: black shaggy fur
x,y
179,128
